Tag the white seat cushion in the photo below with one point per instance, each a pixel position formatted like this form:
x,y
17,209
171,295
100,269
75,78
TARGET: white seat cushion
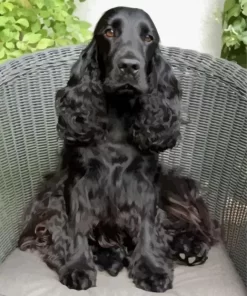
x,y
24,274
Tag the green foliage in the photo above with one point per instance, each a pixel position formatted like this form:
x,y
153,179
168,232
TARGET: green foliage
x,y
235,31
31,25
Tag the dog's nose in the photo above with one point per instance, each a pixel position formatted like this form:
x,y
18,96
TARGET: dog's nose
x,y
131,66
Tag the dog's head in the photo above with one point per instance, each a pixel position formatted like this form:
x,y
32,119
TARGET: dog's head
x,y
126,41
123,60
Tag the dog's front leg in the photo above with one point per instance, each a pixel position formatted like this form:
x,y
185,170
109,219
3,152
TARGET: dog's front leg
x,y
62,246
151,266
79,271
70,256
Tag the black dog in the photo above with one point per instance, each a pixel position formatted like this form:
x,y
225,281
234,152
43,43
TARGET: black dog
x,y
120,108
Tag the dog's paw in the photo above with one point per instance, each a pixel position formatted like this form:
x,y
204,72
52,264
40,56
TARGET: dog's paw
x,y
112,267
115,268
189,249
79,279
155,283
148,280
109,260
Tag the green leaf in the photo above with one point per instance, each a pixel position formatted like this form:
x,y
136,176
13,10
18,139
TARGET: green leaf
x,y
35,27
239,25
32,15
3,20
85,25
245,9
33,49
43,32
229,4
47,3
64,14
23,22
244,37
60,18
2,53
40,3
16,36
73,28
76,41
25,3
7,35
243,2
9,6
32,38
60,27
45,43
21,45
70,11
45,14
87,35
10,45
230,40
76,35
47,23
18,28
52,24
62,42
16,53
237,45
2,9
234,11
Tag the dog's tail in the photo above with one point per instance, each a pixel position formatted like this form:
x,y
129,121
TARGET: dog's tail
x,y
182,201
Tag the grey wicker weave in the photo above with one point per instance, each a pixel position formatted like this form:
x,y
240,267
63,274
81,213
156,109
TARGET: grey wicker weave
x,y
213,147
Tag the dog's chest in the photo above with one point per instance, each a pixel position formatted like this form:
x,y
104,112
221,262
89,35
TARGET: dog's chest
x,y
118,166
112,163
116,131
117,169
114,153
116,158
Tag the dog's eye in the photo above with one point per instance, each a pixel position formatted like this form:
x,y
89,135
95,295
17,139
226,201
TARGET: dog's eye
x,y
109,33
148,38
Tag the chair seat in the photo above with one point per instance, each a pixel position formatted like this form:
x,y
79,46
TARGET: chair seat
x,y
24,274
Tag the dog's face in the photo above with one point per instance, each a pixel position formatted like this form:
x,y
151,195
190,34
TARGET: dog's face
x,y
126,40
122,71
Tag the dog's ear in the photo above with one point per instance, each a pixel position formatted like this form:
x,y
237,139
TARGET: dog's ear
x,y
85,65
157,124
80,106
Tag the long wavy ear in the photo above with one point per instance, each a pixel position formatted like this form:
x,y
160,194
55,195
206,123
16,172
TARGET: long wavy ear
x,y
157,124
80,105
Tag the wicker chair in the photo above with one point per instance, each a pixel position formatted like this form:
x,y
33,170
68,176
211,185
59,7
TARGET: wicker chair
x,y
213,148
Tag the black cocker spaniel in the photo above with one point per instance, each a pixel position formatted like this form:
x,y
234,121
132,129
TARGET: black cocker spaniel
x,y
111,204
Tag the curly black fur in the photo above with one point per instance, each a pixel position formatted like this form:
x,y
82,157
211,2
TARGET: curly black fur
x,y
120,108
